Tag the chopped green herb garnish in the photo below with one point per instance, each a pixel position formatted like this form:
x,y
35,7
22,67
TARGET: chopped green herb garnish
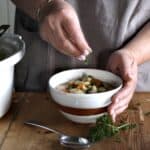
x,y
106,128
86,61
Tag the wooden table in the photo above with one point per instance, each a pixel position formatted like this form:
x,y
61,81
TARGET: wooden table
x,y
14,135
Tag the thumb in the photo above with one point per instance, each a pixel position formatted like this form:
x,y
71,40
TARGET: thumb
x,y
112,64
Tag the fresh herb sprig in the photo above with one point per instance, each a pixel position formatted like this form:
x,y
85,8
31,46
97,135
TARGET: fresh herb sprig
x,y
86,61
106,128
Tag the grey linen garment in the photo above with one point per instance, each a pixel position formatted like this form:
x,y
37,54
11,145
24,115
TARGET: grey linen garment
x,y
107,25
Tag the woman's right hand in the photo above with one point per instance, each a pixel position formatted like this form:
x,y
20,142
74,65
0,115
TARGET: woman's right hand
x,y
59,26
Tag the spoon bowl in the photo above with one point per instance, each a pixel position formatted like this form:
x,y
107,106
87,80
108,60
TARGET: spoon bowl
x,y
74,142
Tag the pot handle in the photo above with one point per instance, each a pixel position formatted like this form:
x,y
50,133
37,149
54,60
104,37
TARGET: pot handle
x,y
3,29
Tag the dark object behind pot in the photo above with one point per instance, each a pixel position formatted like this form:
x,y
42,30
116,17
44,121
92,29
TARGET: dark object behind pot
x,y
3,29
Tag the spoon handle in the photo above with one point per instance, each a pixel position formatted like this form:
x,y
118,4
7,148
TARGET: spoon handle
x,y
32,123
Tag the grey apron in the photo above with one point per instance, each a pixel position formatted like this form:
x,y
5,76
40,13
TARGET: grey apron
x,y
107,25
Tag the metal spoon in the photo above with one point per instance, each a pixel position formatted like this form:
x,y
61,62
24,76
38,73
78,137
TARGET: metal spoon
x,y
65,140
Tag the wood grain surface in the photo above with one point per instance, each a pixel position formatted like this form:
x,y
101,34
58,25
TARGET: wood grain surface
x,y
14,135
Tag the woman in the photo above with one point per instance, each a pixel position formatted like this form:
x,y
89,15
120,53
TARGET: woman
x,y
118,30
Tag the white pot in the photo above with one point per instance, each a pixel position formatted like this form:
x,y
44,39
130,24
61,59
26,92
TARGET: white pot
x,y
14,47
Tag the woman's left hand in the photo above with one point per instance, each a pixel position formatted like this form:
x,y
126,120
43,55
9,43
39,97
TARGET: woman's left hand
x,y
123,64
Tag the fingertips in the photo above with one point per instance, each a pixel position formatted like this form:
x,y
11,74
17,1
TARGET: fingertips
x,y
81,57
120,109
116,111
118,101
65,44
76,36
118,105
87,51
112,114
113,117
125,93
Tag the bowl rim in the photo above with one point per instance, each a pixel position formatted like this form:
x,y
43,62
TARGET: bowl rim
x,y
83,94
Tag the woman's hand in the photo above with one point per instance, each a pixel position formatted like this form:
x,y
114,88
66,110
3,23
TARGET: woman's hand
x,y
122,63
60,26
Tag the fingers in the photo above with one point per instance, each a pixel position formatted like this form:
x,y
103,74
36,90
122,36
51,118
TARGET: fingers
x,y
123,64
64,44
120,101
75,34
62,29
119,110
55,35
61,40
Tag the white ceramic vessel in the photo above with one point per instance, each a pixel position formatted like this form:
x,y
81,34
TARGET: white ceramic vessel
x,y
83,108
14,48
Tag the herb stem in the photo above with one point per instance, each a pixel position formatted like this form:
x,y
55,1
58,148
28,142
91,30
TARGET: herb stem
x,y
105,128
123,126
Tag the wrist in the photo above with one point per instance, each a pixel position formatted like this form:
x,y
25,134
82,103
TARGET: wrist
x,y
40,10
134,53
46,7
131,54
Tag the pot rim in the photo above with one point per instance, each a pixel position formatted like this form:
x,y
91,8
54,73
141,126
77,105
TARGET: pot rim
x,y
18,55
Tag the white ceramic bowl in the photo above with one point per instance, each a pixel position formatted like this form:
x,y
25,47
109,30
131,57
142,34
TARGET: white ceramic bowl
x,y
83,108
14,47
